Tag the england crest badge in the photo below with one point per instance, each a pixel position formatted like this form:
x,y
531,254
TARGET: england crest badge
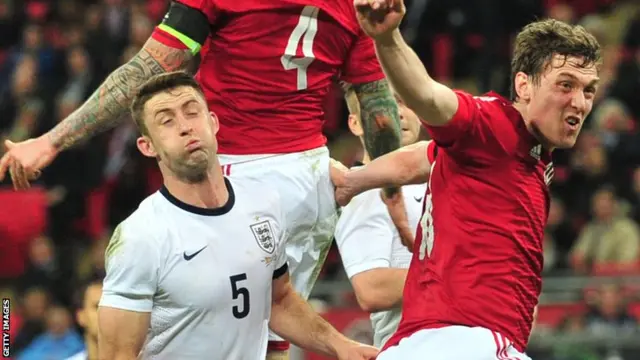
x,y
264,236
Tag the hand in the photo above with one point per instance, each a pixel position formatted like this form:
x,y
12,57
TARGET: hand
x,y
379,18
356,351
343,193
398,213
25,159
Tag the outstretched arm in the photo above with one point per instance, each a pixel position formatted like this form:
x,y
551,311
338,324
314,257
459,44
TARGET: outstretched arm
x,y
172,47
433,102
294,320
407,165
109,104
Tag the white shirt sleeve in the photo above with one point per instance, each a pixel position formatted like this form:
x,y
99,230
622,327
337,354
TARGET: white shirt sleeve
x,y
132,265
281,262
364,234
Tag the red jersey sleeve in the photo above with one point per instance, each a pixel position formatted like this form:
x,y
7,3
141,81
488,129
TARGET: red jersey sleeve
x,y
475,125
362,64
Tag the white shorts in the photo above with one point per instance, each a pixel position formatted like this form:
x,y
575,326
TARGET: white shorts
x,y
307,194
454,343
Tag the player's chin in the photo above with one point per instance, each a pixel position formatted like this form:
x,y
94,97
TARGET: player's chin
x,y
566,142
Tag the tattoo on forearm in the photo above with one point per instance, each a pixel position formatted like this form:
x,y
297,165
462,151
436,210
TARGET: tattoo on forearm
x,y
380,119
109,104
379,116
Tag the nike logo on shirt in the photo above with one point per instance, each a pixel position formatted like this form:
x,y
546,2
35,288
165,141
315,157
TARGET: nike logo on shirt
x,y
418,199
189,257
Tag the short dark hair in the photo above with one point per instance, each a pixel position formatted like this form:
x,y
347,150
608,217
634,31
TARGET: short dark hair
x,y
538,42
155,85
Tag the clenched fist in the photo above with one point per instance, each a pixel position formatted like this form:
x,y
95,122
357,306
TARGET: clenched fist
x,y
379,18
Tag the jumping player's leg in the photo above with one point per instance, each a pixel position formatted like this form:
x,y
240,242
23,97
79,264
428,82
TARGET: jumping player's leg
x,y
454,343
307,194
277,355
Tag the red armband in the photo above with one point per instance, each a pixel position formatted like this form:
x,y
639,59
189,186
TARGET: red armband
x,y
167,39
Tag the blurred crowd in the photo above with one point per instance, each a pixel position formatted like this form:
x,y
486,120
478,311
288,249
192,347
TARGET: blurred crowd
x,y
53,54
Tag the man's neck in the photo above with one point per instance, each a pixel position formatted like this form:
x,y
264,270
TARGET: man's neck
x,y
92,347
211,193
522,109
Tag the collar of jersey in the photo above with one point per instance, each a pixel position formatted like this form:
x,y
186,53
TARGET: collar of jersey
x,y
202,211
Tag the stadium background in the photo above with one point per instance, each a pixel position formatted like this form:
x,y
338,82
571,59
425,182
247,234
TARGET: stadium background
x,y
53,54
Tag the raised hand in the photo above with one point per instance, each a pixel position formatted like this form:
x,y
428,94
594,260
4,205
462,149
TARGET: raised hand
x,y
25,160
379,18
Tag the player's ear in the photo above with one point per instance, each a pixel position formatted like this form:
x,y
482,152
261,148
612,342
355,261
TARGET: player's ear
x,y
523,86
354,125
146,147
216,123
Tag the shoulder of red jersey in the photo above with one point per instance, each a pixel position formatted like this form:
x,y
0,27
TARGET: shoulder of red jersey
x,y
341,10
486,124
188,22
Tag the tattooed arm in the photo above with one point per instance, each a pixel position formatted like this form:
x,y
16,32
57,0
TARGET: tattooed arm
x,y
379,116
110,102
380,119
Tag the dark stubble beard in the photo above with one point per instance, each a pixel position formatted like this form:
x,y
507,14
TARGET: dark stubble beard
x,y
191,168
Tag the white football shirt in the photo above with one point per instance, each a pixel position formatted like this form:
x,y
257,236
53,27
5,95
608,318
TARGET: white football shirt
x,y
205,275
367,239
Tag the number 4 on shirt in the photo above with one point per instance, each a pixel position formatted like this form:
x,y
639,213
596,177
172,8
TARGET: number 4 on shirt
x,y
307,27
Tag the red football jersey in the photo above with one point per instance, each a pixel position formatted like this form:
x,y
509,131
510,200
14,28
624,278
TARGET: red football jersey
x,y
477,258
268,65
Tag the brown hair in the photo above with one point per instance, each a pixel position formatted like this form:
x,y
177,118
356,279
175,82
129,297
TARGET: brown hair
x,y
155,85
539,41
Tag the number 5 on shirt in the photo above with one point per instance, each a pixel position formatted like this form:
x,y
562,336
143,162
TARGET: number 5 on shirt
x,y
307,26
236,291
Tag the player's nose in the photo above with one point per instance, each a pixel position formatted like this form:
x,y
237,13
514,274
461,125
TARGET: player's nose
x,y
185,127
579,102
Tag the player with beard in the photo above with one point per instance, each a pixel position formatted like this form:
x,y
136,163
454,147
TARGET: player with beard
x,y
199,270
266,67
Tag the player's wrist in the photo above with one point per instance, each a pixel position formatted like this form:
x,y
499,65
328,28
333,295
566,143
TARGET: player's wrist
x,y
390,39
351,182
54,144
339,344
